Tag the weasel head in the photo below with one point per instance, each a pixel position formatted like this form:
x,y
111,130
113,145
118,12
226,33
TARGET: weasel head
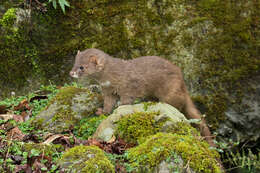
x,y
88,63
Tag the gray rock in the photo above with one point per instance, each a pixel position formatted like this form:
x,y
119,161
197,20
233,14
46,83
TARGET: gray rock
x,y
243,125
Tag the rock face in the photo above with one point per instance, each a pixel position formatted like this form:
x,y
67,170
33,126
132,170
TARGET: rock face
x,y
107,128
85,159
242,125
66,109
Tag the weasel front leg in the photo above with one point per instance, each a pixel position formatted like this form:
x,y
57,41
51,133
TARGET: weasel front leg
x,y
126,100
109,102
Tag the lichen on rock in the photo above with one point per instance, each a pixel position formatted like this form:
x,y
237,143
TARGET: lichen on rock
x,y
85,159
66,109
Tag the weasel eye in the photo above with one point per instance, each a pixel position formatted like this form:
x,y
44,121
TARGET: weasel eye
x,y
81,68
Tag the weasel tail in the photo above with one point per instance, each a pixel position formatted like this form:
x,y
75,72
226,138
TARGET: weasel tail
x,y
193,113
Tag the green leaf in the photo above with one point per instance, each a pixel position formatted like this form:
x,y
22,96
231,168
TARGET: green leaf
x,y
54,3
44,169
35,152
63,3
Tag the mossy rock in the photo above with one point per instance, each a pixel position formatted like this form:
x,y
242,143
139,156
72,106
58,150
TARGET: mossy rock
x,y
195,154
85,159
66,109
136,127
133,122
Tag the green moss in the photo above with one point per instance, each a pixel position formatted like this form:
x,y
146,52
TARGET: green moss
x,y
162,146
8,18
183,128
134,128
86,159
65,95
147,104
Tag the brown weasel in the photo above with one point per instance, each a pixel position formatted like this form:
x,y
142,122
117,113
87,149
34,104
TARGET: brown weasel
x,y
147,76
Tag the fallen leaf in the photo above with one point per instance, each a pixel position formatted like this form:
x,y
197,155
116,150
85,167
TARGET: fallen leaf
x,y
3,109
6,117
20,168
15,134
112,139
120,168
37,166
17,159
22,106
25,115
52,138
95,142
18,118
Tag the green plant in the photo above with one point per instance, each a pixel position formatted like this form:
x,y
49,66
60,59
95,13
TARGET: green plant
x,y
244,160
62,3
88,126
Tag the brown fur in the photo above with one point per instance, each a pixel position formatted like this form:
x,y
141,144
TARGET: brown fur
x,y
148,76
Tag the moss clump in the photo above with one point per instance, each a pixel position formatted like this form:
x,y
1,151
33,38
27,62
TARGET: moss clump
x,y
65,95
86,159
8,18
133,128
147,104
160,147
183,128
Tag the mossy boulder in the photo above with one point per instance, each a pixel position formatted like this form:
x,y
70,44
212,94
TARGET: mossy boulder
x,y
133,122
85,159
185,152
67,108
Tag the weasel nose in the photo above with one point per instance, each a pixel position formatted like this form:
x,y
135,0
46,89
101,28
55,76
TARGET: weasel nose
x,y
71,73
74,74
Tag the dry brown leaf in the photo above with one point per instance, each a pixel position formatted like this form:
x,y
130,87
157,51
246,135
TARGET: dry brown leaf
x,y
3,109
37,165
113,138
6,117
15,134
23,105
20,168
52,138
18,118
95,142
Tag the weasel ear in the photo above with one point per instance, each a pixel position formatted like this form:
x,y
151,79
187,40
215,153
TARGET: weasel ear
x,y
78,52
99,61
